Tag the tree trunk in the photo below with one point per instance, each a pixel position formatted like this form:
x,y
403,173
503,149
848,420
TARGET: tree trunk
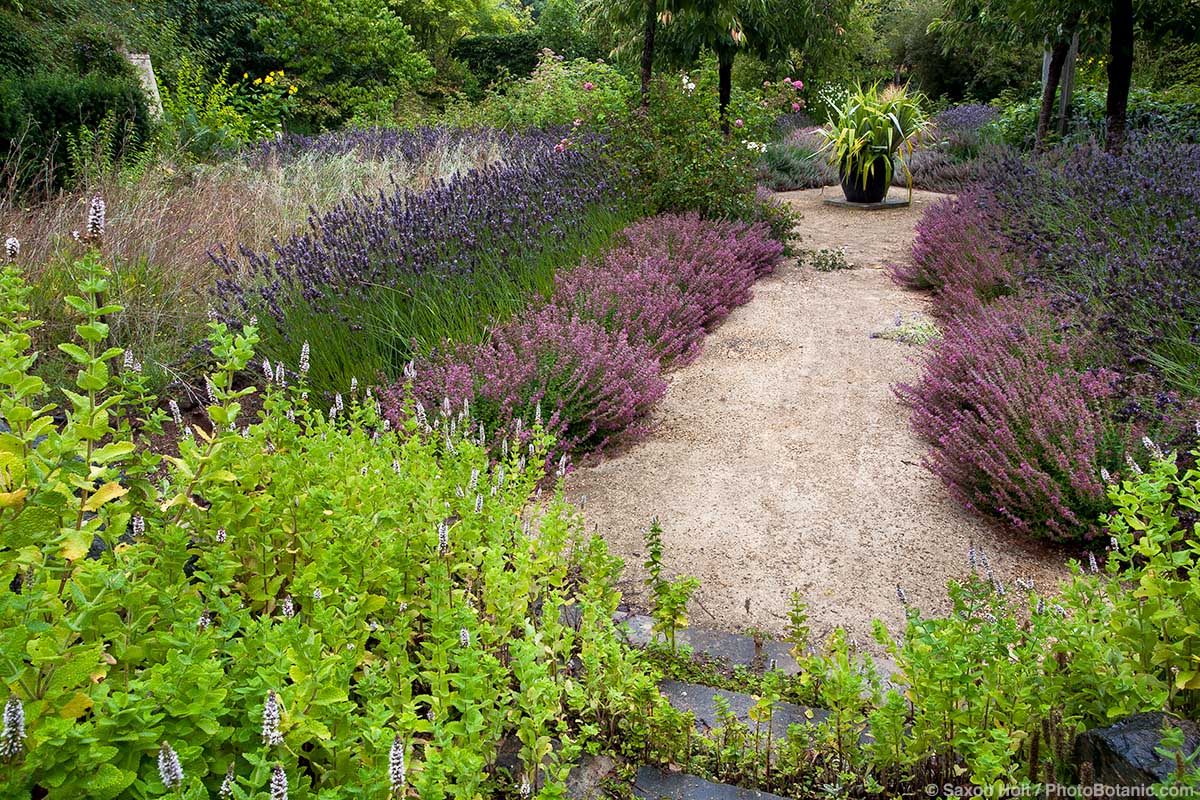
x,y
1120,74
648,49
1066,86
1058,57
725,85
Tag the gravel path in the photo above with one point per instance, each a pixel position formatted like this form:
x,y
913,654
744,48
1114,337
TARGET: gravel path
x,y
780,459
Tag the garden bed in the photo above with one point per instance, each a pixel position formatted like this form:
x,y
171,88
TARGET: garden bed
x,y
781,460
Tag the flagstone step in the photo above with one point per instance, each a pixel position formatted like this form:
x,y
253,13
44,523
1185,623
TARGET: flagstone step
x,y
731,648
652,783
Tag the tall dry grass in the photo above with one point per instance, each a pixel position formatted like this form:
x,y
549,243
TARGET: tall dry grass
x,y
165,215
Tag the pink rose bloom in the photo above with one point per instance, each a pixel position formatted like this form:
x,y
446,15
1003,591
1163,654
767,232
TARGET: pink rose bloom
x,y
587,87
737,123
795,107
799,84
577,122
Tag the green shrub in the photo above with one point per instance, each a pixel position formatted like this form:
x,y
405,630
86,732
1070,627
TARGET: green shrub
x,y
560,27
207,117
559,92
492,58
683,160
352,59
38,113
306,599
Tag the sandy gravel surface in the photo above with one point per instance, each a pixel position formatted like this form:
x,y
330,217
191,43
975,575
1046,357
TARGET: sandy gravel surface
x,y
780,459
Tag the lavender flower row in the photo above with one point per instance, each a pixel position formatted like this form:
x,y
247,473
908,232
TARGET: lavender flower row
x,y
530,203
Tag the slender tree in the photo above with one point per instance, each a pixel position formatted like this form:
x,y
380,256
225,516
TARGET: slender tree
x,y
1120,74
769,29
645,16
1021,22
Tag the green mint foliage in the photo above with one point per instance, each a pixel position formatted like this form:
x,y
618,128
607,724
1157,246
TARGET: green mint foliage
x,y
669,599
998,689
294,589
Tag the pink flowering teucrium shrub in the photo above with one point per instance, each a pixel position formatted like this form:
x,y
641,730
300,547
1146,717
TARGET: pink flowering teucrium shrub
x,y
1065,285
1019,432
960,255
589,385
587,364
716,263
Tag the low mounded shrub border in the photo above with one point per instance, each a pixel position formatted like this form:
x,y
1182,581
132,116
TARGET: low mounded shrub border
x,y
587,363
1059,282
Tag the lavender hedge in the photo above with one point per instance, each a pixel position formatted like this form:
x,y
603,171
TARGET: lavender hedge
x,y
590,359
1067,287
378,278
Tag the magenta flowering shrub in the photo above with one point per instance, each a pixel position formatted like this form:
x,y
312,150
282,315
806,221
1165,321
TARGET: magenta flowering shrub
x,y
707,257
1019,431
636,293
590,358
589,384
959,253
1065,287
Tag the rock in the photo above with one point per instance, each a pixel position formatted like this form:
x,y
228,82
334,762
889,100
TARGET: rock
x,y
588,777
1125,753
655,784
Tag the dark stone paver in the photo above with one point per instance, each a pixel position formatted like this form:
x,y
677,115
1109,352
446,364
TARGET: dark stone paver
x,y
654,784
699,700
732,648
1126,752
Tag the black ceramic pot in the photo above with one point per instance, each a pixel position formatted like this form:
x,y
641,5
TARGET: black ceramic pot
x,y
876,187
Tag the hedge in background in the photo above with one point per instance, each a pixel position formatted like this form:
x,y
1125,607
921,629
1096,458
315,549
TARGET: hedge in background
x,y
39,113
489,57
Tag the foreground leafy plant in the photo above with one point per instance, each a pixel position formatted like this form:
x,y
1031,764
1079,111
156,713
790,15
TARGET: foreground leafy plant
x,y
307,605
669,597
999,688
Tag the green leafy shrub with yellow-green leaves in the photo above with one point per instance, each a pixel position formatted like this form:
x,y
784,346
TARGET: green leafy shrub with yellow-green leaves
x,y
996,691
306,604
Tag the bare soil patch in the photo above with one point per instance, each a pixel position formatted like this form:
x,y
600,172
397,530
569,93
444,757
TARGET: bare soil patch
x,y
781,460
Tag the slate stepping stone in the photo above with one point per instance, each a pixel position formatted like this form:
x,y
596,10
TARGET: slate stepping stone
x,y
652,783
731,648
699,700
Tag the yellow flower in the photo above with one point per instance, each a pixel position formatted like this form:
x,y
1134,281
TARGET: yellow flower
x,y
257,81
269,79
292,89
245,75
